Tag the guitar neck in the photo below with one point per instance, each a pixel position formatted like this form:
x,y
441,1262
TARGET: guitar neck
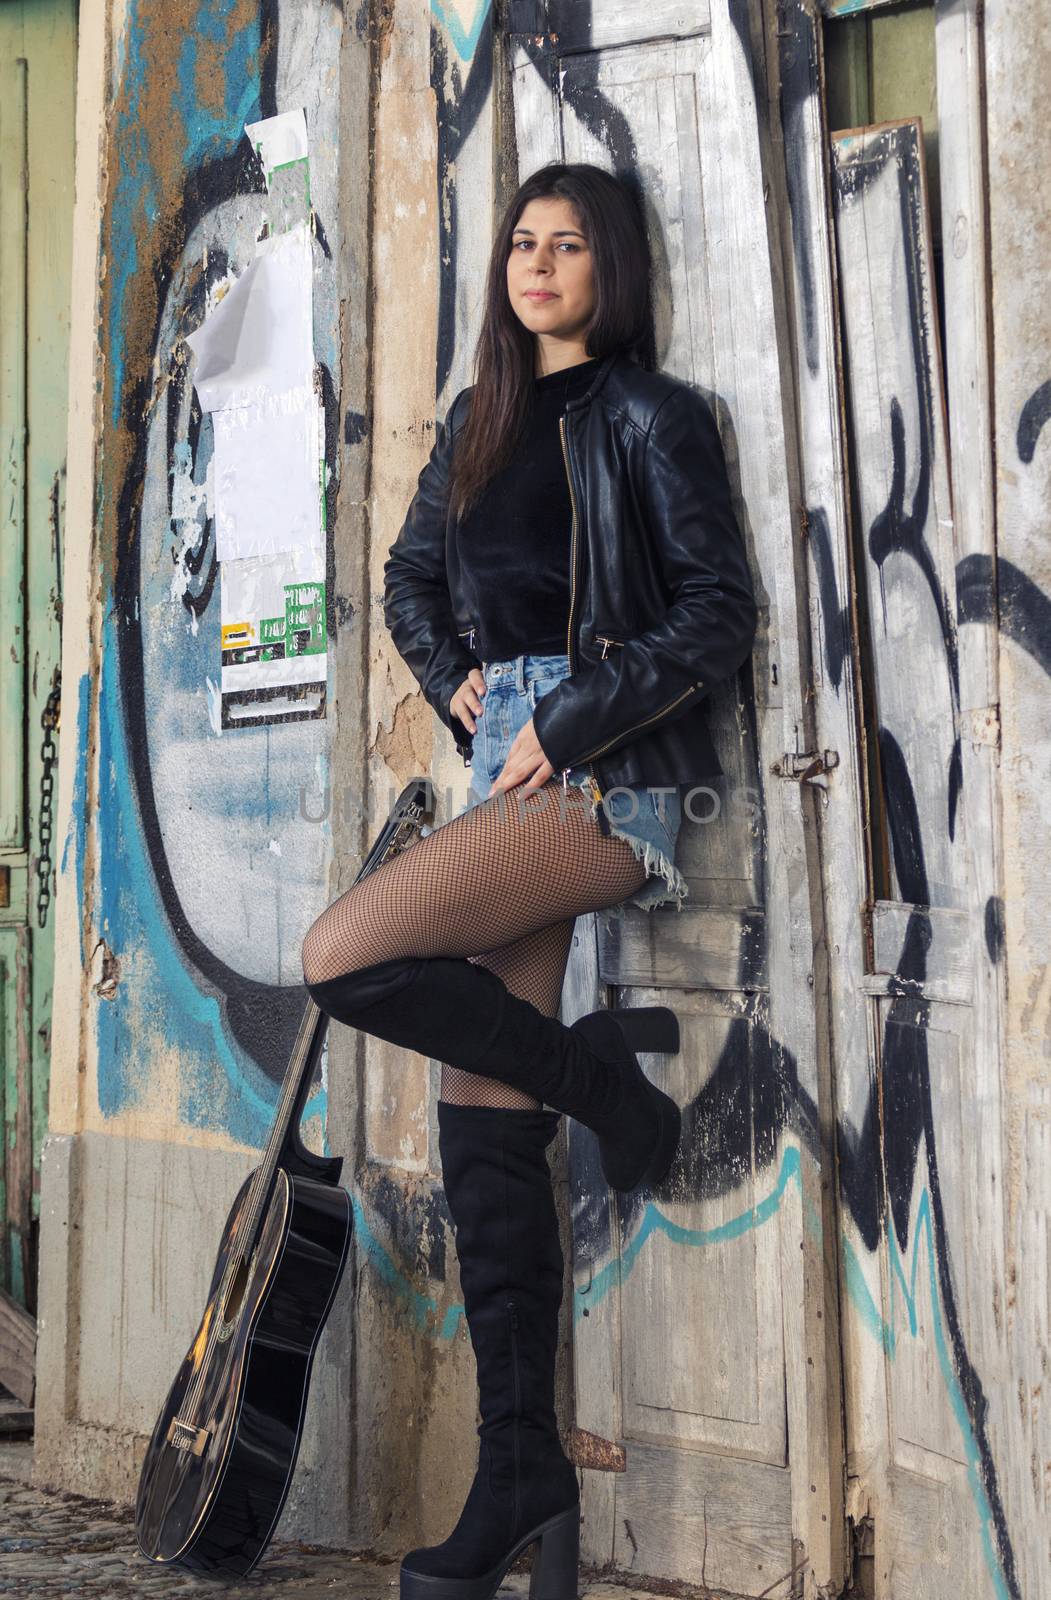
x,y
283,1147
414,806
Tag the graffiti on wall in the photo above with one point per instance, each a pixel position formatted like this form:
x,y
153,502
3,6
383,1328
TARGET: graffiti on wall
x,y
207,877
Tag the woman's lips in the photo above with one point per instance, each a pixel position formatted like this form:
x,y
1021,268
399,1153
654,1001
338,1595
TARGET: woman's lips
x,y
540,294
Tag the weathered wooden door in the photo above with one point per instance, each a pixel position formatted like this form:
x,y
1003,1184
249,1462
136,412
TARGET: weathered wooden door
x,y
900,542
706,1342
37,98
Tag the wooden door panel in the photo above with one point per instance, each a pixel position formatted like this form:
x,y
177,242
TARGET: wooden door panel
x,y
13,201
729,1525
37,106
702,1349
653,88
931,1048
700,1312
908,835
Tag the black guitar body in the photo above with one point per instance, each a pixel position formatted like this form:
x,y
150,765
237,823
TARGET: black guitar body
x,y
214,1511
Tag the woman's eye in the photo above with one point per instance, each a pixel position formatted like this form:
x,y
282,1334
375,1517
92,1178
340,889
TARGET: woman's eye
x,y
565,245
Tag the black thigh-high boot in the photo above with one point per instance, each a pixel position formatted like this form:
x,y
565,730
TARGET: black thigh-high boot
x,y
525,1490
462,1013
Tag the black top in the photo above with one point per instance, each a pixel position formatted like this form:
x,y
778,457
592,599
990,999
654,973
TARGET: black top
x,y
513,544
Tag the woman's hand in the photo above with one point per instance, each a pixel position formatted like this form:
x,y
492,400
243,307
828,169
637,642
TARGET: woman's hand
x,y
525,760
466,703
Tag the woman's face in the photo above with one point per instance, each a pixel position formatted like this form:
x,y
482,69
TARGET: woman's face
x,y
550,281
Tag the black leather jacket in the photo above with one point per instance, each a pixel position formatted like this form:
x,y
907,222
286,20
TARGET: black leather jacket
x,y
661,600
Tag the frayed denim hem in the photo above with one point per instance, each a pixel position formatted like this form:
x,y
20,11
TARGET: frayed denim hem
x,y
657,865
656,862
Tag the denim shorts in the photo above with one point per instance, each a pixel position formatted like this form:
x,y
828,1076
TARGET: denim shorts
x,y
648,819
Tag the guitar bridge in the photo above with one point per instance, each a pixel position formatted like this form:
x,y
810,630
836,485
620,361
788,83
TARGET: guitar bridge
x,y
184,1436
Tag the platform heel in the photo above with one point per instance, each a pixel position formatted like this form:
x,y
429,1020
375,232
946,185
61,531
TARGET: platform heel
x,y
640,1134
556,1561
648,1028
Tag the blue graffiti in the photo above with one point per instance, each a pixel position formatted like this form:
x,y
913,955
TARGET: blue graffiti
x,y
465,39
426,1315
136,194
209,133
424,1311
220,1085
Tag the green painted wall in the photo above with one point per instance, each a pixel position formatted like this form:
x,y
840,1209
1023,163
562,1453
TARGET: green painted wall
x,y
37,101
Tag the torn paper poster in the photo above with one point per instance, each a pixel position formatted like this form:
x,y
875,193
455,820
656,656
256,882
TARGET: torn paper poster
x,y
268,478
258,343
254,374
279,140
274,638
281,145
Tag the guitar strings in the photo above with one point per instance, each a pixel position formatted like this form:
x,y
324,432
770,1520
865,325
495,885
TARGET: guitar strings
x,y
252,1213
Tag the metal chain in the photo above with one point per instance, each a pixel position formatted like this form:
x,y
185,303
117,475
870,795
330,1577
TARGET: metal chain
x,y
49,758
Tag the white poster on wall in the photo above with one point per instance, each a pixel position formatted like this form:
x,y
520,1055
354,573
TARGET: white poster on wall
x,y
254,374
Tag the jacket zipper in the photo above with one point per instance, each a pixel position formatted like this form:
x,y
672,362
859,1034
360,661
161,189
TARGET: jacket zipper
x,y
596,792
468,634
513,1310
645,723
605,643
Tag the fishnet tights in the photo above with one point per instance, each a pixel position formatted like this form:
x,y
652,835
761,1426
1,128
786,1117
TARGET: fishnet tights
x,y
502,885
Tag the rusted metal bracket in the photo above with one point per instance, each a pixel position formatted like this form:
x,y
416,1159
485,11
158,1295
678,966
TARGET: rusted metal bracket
x,y
591,1450
802,766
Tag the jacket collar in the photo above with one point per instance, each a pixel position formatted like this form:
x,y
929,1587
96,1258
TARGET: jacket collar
x,y
601,374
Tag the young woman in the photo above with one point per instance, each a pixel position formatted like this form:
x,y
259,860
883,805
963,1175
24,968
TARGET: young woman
x,y
568,585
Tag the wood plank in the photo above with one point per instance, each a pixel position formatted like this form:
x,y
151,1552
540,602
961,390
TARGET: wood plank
x,y
926,1437
708,1275
968,364
750,326
13,202
902,472
16,1158
607,23
49,47
1000,69
17,1350
699,947
595,1242
948,965
836,713
724,1526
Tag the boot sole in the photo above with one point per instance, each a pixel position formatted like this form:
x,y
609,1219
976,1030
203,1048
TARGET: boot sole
x,y
556,1567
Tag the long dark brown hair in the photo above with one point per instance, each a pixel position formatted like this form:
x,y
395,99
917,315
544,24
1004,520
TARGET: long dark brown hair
x,y
610,217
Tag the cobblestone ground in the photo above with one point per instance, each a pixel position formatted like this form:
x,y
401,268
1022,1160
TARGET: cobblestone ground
x,y
58,1544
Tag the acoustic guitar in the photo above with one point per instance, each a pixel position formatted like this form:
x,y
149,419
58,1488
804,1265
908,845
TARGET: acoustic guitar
x,y
219,1464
